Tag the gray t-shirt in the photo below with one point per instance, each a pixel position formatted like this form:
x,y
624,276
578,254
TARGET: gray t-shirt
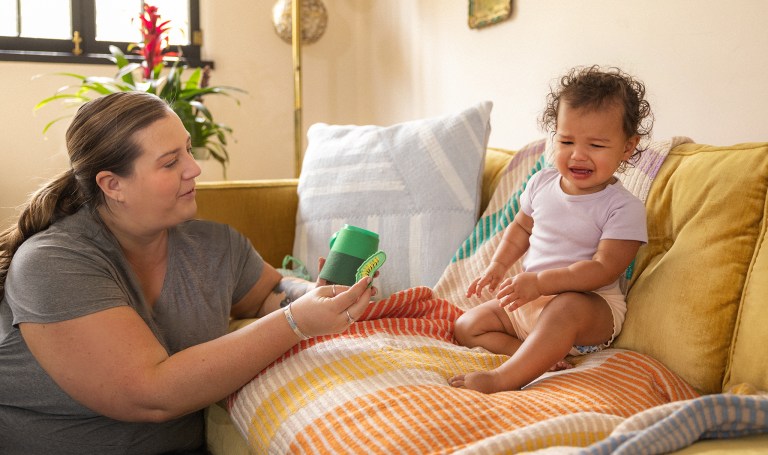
x,y
75,268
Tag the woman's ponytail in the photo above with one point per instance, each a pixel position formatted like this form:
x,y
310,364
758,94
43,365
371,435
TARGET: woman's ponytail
x,y
59,198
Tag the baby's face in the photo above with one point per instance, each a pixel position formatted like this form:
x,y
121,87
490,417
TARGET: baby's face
x,y
590,144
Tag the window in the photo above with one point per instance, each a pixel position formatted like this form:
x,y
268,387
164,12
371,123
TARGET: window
x,y
81,31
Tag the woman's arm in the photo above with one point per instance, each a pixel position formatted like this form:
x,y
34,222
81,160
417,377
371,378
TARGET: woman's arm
x,y
272,292
111,362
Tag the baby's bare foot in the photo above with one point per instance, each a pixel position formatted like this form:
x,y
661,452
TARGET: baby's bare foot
x,y
482,381
561,365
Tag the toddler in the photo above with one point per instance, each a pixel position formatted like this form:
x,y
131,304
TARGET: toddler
x,y
579,230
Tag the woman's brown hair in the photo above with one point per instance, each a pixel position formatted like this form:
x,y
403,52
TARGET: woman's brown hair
x,y
100,138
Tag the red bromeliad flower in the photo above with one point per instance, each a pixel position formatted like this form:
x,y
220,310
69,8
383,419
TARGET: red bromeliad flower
x,y
155,41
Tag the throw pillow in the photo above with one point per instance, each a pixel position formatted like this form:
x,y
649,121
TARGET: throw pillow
x,y
416,184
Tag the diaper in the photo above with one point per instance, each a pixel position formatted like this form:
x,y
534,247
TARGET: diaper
x,y
524,318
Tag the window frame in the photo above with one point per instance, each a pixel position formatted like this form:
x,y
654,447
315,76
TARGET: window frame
x,y
23,49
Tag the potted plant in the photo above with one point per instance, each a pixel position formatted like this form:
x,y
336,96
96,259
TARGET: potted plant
x,y
209,137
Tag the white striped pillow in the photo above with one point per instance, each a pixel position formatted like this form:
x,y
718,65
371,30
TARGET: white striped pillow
x,y
417,184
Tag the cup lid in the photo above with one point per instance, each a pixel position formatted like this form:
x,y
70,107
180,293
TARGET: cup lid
x,y
361,230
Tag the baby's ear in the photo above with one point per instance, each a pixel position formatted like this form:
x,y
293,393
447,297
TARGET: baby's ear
x,y
630,146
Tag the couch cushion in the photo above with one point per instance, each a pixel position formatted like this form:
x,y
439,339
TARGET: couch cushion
x,y
748,362
706,216
262,210
417,184
496,162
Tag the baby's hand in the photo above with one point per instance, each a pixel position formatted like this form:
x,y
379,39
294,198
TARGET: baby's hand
x,y
517,291
491,278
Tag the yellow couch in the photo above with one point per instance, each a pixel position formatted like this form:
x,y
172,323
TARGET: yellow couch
x,y
698,301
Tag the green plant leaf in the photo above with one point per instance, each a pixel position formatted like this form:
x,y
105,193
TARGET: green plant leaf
x,y
194,80
185,97
52,122
126,73
61,96
117,56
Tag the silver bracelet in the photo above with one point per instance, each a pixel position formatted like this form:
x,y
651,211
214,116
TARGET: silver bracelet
x,y
292,323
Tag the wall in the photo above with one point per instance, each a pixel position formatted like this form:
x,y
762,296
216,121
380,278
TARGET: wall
x,y
387,61
704,62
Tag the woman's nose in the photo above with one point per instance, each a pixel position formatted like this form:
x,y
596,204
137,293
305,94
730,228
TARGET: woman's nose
x,y
191,168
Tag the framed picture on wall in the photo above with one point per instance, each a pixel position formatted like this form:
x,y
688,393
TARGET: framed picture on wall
x,y
483,13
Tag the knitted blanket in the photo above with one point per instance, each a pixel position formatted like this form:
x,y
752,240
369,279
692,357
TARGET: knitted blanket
x,y
474,255
673,426
381,387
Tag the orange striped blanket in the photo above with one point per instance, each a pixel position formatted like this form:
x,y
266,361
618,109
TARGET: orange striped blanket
x,y
381,387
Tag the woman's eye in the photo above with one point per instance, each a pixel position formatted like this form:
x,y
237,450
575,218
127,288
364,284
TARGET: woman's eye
x,y
171,164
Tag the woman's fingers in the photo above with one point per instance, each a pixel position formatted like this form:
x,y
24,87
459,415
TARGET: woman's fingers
x,y
320,265
356,298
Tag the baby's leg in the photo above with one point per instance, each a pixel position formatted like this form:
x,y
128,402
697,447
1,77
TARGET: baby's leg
x,y
568,319
487,325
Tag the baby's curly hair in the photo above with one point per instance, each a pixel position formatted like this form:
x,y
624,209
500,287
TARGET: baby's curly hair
x,y
594,88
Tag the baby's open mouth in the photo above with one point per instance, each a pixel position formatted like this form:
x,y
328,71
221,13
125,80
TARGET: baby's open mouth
x,y
581,171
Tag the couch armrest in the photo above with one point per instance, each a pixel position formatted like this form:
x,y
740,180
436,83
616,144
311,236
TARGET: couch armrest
x,y
263,210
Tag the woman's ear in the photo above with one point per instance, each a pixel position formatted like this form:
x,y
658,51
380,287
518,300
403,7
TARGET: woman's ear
x,y
109,184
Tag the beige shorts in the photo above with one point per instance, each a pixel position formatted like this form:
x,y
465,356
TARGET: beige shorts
x,y
524,318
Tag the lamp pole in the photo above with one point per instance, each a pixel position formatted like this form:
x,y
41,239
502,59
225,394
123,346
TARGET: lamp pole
x,y
296,47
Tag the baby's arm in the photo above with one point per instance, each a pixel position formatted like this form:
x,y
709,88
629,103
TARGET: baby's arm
x,y
514,243
609,262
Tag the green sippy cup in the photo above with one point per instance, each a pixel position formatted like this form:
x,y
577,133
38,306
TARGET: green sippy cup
x,y
350,247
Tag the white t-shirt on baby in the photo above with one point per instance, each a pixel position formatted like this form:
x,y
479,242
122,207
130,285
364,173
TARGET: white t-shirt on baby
x,y
567,228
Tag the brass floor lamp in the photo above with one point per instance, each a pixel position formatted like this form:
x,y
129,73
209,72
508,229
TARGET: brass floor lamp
x,y
311,17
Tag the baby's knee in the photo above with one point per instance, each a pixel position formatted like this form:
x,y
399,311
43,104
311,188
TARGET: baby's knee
x,y
463,329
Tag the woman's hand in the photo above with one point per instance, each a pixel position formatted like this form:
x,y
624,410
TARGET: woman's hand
x,y
320,264
332,308
492,276
517,291
322,281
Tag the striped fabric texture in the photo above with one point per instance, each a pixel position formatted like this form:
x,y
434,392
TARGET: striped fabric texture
x,y
416,184
476,252
674,426
381,387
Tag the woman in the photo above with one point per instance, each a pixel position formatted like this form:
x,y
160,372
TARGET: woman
x,y
113,325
